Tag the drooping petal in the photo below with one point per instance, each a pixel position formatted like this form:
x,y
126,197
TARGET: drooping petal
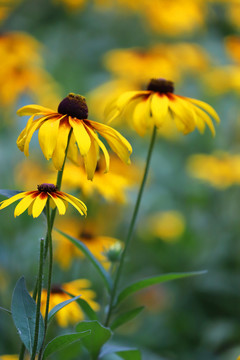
x,y
59,203
39,204
21,139
209,109
102,146
81,135
140,116
204,116
14,198
91,159
47,136
24,204
73,150
117,142
78,204
62,139
159,107
33,109
34,126
183,117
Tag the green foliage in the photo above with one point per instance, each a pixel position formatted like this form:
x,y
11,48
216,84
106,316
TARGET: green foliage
x,y
24,316
98,337
60,342
139,285
125,317
102,272
86,308
122,352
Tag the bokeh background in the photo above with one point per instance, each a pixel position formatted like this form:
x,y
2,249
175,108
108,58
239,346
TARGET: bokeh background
x,y
189,219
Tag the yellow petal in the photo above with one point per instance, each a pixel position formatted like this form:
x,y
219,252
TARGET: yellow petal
x,y
23,205
62,139
59,203
78,204
39,204
117,142
204,116
33,109
141,116
159,108
81,136
102,146
29,132
73,150
47,136
209,109
182,115
91,158
12,199
21,139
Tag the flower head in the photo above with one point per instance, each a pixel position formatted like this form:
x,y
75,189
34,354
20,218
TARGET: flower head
x,y
54,130
36,200
158,105
72,313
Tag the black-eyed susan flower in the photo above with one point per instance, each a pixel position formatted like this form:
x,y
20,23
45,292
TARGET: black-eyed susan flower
x,y
89,234
158,105
219,169
36,200
54,129
72,313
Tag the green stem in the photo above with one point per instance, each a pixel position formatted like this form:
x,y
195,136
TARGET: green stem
x,y
38,313
131,227
50,266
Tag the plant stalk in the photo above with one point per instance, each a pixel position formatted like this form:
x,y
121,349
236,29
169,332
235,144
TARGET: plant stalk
x,y
131,227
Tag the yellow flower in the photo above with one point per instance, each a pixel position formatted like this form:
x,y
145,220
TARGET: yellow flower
x,y
54,129
22,70
167,225
9,357
112,186
36,200
220,169
158,105
65,251
72,313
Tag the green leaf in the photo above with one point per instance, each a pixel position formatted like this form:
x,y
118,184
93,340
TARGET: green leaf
x,y
131,289
6,310
80,245
9,193
125,317
24,315
98,337
123,352
60,342
129,354
86,308
60,306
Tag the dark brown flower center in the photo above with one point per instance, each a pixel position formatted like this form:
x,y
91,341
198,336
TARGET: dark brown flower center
x,y
56,289
47,187
161,86
74,106
86,235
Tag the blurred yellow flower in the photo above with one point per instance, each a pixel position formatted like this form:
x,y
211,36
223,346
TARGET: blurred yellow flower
x,y
22,70
174,17
36,200
158,105
54,129
232,44
72,313
223,79
112,186
220,169
9,357
87,233
167,225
